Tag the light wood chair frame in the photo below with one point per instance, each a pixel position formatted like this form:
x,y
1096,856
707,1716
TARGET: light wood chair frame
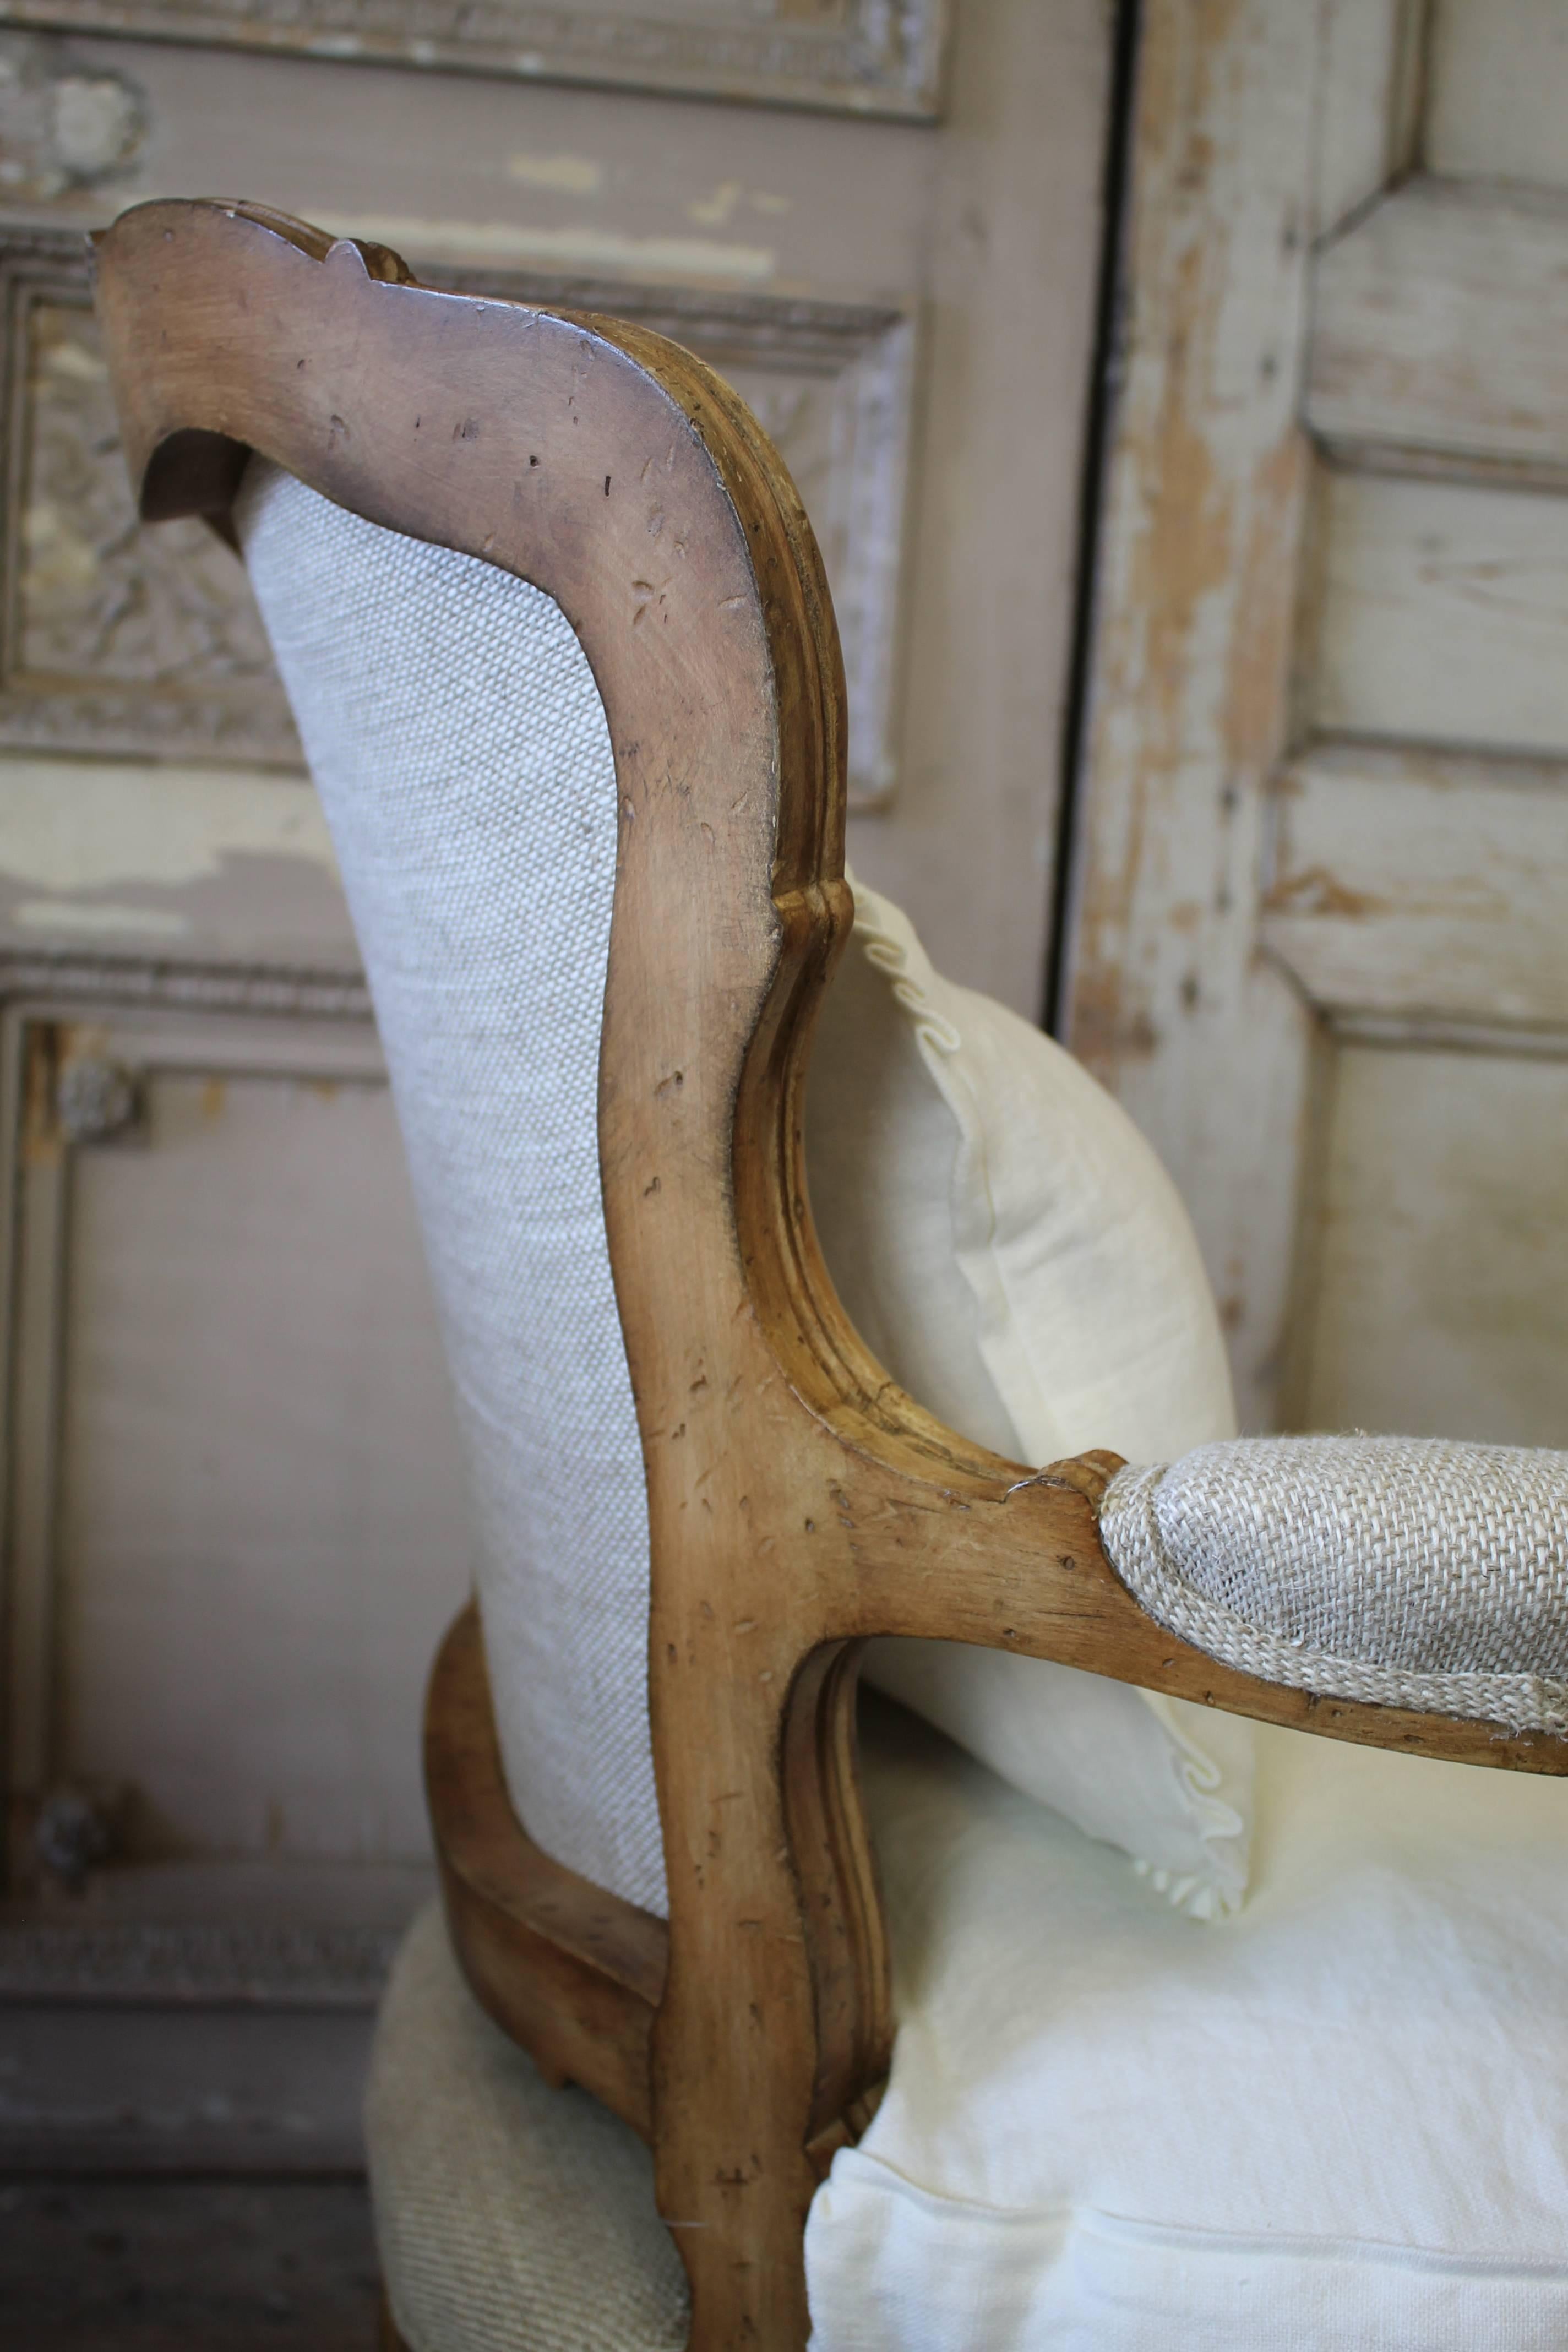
x,y
799,1501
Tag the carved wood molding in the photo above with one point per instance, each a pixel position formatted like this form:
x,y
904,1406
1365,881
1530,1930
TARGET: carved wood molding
x,y
861,56
128,983
119,643
283,1965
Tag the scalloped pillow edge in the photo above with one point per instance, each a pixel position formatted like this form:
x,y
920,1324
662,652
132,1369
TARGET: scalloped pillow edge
x,y
888,938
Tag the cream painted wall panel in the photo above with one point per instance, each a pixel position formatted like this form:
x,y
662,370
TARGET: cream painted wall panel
x,y
1412,883
260,1532
1171,1004
458,168
1368,117
1442,1294
1445,613
1495,107
1440,323
985,225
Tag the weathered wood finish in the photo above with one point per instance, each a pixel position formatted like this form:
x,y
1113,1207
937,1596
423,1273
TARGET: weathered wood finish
x,y
571,1972
1427,884
1327,705
798,1500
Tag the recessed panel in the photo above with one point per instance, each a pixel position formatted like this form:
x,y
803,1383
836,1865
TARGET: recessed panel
x,y
1441,1303
261,1530
1445,617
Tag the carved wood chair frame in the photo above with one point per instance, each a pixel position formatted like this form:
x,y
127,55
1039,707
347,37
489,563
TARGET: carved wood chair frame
x,y
799,1501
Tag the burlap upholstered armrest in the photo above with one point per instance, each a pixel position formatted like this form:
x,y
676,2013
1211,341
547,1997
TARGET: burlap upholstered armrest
x,y
1407,1573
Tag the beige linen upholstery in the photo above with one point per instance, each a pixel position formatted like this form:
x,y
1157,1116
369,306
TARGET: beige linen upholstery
x,y
510,2218
1410,1572
460,748
1106,2128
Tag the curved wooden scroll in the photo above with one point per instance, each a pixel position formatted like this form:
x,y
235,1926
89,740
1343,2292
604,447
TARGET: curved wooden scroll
x,y
798,1500
573,1973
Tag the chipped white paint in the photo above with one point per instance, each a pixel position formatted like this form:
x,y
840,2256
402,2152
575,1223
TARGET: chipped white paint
x,y
1439,324
1205,1043
97,920
1442,1290
1239,925
1422,884
68,824
582,245
566,175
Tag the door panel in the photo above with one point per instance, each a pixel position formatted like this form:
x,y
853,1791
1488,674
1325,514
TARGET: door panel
x,y
1496,106
261,1531
1445,613
1322,887
1442,1290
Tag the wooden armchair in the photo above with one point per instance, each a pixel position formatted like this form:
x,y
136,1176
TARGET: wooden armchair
x,y
798,1501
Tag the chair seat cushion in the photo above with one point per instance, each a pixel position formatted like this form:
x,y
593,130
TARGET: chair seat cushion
x,y
509,2216
1337,2119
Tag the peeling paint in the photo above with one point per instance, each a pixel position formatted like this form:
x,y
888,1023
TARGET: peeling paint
x,y
96,917
67,825
580,246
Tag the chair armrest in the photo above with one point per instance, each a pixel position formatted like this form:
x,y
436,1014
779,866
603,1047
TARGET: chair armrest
x,y
1414,1573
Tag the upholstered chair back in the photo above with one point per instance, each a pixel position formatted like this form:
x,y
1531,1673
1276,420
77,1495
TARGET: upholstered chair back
x,y
460,747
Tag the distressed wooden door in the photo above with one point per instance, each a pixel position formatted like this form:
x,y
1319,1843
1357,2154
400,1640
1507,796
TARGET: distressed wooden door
x,y
233,1524
1320,943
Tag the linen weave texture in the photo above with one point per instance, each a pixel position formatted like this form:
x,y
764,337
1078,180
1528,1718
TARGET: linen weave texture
x,y
459,745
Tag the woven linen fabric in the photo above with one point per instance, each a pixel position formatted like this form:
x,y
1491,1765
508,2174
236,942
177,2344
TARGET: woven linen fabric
x,y
460,748
1338,2119
1414,1572
509,2217
1334,2122
1012,1249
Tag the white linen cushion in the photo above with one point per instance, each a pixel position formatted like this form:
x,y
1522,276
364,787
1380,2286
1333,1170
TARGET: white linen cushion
x,y
1010,1247
1338,2119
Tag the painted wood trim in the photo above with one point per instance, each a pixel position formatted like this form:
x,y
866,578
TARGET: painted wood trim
x,y
1169,999
1426,886
1443,614
1440,323
873,60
